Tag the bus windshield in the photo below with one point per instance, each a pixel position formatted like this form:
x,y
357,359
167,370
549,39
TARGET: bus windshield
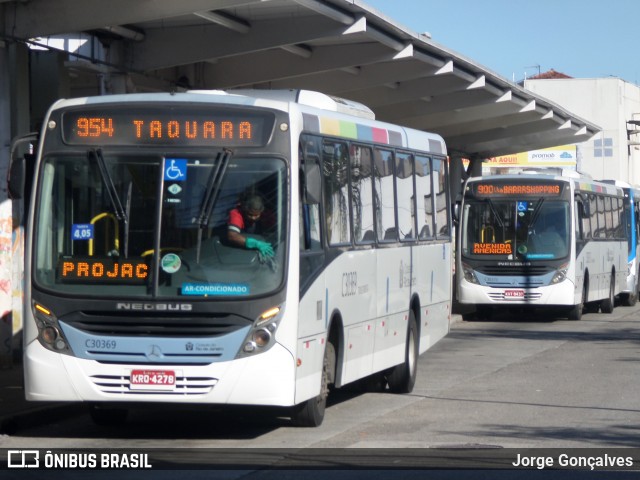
x,y
147,226
531,229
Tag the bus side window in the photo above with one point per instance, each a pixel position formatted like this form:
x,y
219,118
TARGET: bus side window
x,y
310,239
424,205
581,221
311,250
636,212
441,190
384,195
404,195
309,214
335,168
362,194
597,216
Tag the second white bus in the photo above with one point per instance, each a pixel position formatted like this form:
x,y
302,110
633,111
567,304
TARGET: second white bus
x,y
539,240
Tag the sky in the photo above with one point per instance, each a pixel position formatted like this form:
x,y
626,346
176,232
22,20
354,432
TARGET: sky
x,y
519,38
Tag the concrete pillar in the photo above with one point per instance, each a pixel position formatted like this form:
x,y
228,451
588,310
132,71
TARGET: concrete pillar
x,y
475,167
20,109
457,176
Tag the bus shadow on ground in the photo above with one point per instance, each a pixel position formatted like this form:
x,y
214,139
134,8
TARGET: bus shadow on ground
x,y
162,422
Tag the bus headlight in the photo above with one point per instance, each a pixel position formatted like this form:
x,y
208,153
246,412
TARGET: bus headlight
x,y
261,337
560,275
469,274
49,334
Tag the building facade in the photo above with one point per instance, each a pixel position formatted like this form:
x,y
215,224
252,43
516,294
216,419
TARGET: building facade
x,y
611,103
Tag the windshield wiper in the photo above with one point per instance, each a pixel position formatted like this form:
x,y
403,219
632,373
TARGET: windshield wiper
x,y
112,193
211,194
495,212
536,213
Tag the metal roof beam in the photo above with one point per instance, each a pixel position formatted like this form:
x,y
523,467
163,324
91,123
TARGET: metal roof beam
x,y
425,88
277,68
39,18
327,10
533,140
388,69
506,130
229,21
191,44
476,114
505,120
457,100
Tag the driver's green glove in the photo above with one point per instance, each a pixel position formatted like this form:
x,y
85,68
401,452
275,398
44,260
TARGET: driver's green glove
x,y
264,248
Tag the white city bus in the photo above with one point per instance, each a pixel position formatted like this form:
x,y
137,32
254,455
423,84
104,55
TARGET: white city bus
x,y
541,240
133,293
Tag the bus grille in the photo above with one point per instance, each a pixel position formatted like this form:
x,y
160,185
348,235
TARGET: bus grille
x,y
523,282
502,271
120,385
98,323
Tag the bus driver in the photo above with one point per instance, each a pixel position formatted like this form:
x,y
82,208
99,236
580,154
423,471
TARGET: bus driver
x,y
248,219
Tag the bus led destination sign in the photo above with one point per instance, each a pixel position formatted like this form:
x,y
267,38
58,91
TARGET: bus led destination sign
x,y
152,126
492,249
102,270
535,189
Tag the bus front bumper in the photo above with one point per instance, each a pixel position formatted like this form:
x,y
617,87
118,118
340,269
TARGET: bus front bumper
x,y
264,379
562,294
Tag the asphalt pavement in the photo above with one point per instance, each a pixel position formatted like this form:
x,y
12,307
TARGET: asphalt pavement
x,y
15,411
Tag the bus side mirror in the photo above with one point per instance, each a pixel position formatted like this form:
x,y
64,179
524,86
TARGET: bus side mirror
x,y
455,211
17,174
584,208
16,179
313,184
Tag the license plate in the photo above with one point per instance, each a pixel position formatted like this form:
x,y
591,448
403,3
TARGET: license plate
x,y
514,293
152,380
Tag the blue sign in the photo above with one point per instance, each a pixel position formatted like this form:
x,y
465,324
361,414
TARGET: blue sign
x,y
522,206
82,231
175,169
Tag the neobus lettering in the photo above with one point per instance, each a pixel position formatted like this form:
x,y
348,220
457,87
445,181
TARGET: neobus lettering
x,y
184,307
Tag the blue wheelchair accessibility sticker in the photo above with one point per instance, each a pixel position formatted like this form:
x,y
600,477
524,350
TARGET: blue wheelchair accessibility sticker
x,y
522,206
175,169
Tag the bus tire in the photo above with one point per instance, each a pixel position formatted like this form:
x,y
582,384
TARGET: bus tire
x,y
310,413
630,299
575,312
402,377
607,305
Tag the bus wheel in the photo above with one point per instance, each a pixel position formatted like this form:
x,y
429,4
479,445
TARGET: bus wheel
x,y
311,412
575,313
106,416
630,299
403,377
608,303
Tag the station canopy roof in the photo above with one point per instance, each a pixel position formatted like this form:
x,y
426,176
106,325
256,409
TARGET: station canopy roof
x,y
339,47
